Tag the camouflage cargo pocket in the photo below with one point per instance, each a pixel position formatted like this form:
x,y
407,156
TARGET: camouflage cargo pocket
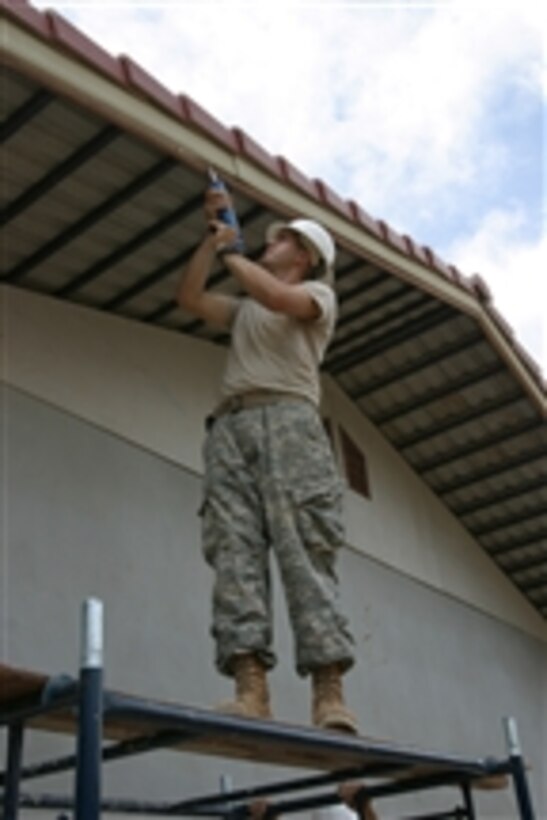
x,y
318,518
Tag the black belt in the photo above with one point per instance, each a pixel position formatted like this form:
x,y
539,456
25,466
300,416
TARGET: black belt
x,y
254,398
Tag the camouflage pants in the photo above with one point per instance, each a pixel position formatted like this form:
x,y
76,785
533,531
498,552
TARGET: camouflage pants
x,y
271,481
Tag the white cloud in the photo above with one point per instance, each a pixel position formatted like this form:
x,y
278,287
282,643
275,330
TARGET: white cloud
x,y
418,125
516,272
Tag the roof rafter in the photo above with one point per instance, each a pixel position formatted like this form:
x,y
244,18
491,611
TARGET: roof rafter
x,y
433,318
60,172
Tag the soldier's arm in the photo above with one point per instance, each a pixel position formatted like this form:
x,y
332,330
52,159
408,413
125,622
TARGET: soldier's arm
x,y
192,295
273,293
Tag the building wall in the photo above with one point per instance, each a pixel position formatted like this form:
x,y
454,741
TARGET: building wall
x,y
101,453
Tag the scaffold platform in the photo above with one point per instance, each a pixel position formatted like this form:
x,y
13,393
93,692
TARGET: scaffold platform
x,y
110,726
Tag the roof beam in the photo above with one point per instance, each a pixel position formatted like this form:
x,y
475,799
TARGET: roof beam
x,y
417,365
533,586
75,161
519,543
441,391
86,222
420,325
500,436
509,521
146,282
418,301
27,111
505,495
527,564
474,413
347,270
135,243
357,290
493,470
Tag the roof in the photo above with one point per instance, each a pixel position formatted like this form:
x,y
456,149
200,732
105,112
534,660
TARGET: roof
x,y
102,206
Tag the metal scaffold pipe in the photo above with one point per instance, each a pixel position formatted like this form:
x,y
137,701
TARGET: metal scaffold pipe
x,y
90,705
518,770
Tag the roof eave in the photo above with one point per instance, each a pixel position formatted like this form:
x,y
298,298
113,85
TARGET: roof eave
x,y
50,50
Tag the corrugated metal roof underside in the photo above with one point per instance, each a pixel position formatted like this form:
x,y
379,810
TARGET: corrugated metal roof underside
x,y
94,216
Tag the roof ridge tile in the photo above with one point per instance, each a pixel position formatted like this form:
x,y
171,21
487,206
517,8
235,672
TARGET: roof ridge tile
x,y
255,152
137,77
202,119
84,48
455,274
415,250
392,237
364,219
27,15
483,292
329,197
294,176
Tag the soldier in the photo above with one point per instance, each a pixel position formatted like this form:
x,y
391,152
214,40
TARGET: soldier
x,y
270,477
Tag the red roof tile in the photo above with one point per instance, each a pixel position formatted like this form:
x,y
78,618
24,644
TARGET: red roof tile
x,y
138,78
201,119
392,238
481,289
364,219
26,15
415,251
253,151
332,199
84,49
295,177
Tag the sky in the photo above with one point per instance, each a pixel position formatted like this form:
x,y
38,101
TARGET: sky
x,y
430,115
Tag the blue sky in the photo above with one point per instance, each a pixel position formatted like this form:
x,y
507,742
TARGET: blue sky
x,y
431,115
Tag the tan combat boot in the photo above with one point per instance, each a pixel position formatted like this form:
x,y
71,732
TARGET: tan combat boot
x,y
328,708
252,695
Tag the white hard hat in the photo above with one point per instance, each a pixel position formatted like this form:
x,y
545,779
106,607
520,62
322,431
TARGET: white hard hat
x,y
317,240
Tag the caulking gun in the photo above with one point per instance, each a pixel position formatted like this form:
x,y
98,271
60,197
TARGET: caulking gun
x,y
227,215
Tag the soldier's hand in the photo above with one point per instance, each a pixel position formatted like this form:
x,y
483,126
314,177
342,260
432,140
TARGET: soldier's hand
x,y
216,201
223,235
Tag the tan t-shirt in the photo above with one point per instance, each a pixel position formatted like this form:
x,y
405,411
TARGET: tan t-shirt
x,y
273,351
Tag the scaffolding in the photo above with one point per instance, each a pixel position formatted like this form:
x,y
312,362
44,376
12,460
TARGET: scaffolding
x,y
132,726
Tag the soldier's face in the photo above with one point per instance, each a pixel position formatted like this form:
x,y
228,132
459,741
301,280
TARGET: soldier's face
x,y
284,252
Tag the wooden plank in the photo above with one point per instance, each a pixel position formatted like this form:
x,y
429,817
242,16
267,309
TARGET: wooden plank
x,y
203,731
17,684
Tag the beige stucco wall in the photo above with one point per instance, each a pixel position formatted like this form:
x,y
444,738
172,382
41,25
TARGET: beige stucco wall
x,y
154,388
